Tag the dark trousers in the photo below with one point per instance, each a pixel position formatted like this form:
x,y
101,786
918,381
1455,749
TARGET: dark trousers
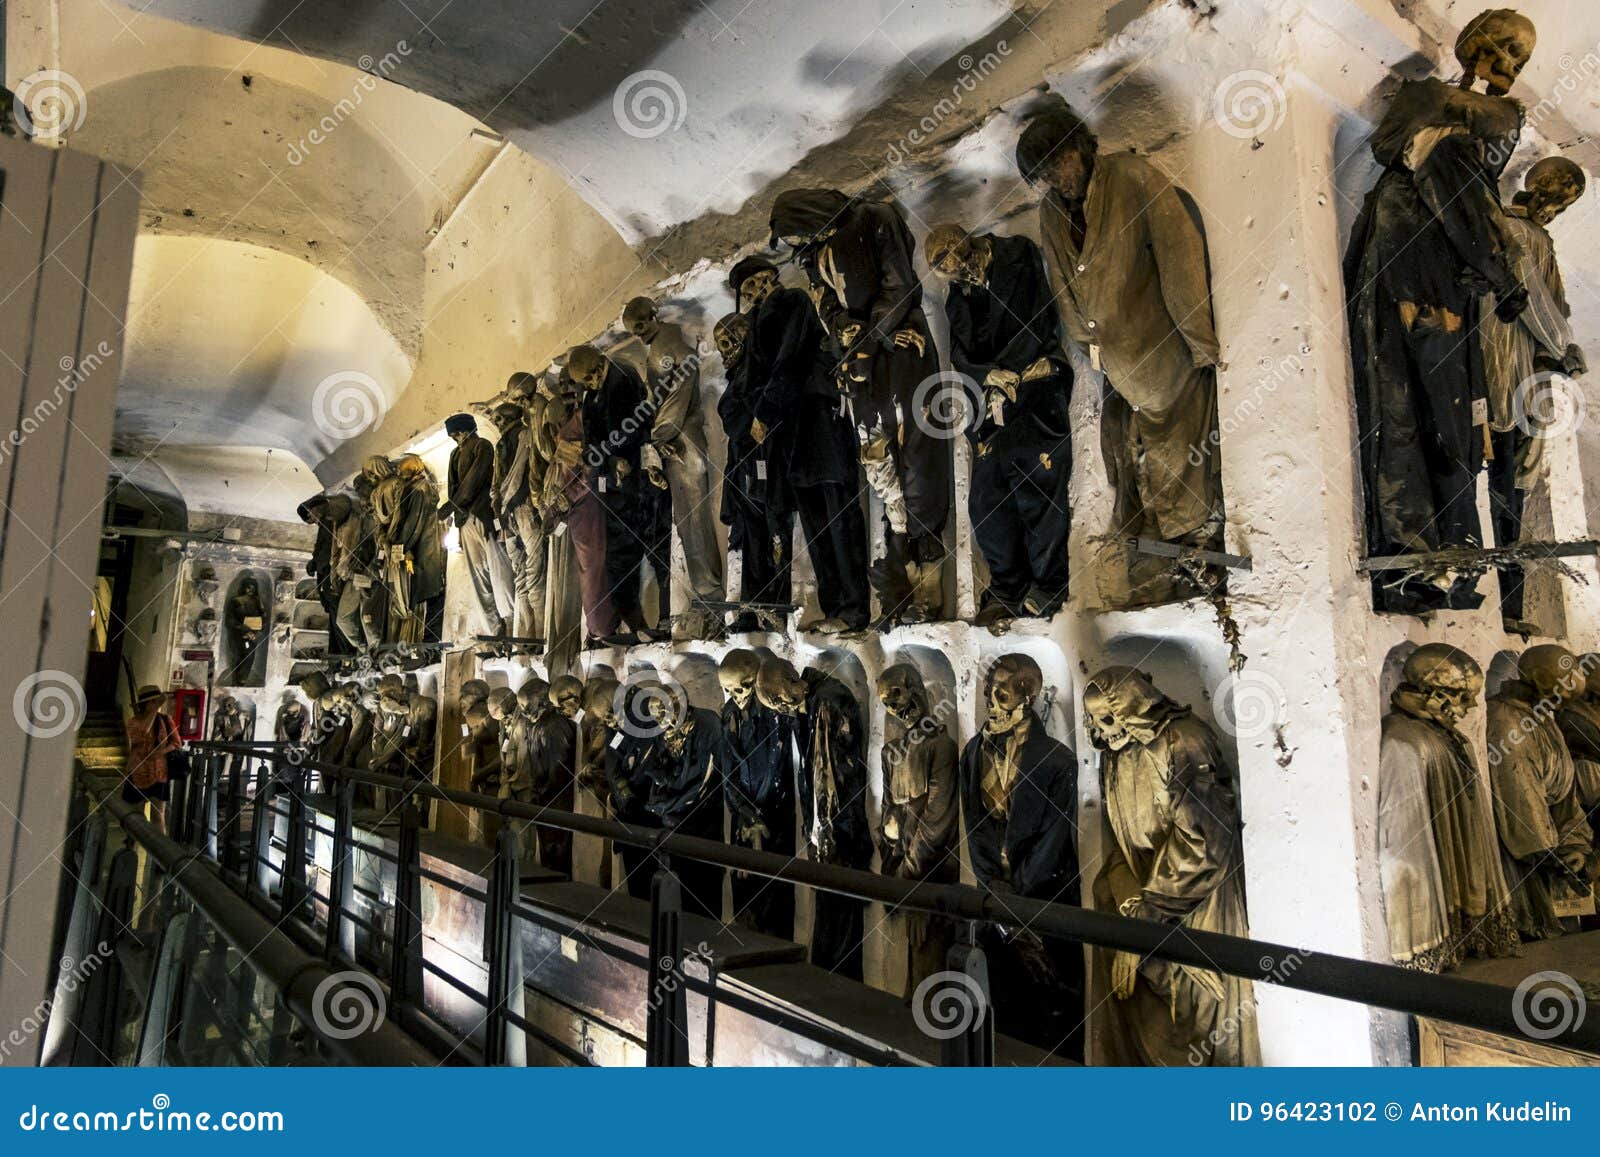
x,y
760,902
836,934
836,539
627,534
586,522
656,518
1037,991
765,537
1505,508
1020,515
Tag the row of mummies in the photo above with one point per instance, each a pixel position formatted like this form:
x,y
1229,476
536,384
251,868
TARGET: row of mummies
x,y
594,464
1456,308
1471,868
782,768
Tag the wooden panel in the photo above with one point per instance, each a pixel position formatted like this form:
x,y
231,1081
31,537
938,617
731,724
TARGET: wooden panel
x,y
66,238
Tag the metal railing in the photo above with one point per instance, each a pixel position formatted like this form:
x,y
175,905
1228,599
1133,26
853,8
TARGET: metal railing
x,y
1474,1004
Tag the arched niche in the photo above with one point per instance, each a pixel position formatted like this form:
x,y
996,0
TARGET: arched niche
x,y
245,664
1502,669
1390,677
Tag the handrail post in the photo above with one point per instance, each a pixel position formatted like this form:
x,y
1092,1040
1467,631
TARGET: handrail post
x,y
973,1046
293,895
666,1039
229,838
499,942
405,959
261,825
341,938
208,816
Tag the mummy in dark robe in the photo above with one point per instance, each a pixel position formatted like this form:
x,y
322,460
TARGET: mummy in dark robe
x,y
597,728
757,502
758,782
797,419
320,511
1444,893
1546,843
859,257
245,628
232,723
290,723
917,829
1172,854
1520,358
1126,251
685,786
630,755
1005,340
553,743
617,417
833,797
1019,796
1580,727
1431,239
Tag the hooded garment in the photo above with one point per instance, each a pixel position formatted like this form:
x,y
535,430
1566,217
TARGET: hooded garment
x,y
1536,807
1173,841
1445,893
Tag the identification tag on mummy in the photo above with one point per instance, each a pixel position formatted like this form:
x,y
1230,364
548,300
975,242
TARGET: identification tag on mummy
x,y
1480,411
561,529
465,731
602,481
1094,358
616,741
406,734
362,582
578,718
761,470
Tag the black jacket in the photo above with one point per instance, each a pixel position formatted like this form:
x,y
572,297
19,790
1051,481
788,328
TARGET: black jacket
x,y
471,481
1039,835
791,390
832,725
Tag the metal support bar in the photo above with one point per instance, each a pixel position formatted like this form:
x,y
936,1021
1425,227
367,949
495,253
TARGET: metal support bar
x,y
233,814
292,897
1199,554
341,934
261,822
972,1046
1482,559
666,1035
499,941
405,953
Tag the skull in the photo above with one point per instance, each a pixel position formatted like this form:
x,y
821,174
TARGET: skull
x,y
587,366
731,335
534,695
1015,681
639,318
1448,679
1551,187
1495,46
473,691
599,699
737,674
1122,706
903,693
954,254
566,692
1553,671
759,286
780,687
503,704
394,701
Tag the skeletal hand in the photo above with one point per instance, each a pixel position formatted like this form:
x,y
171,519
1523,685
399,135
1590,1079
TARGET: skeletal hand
x,y
849,332
1574,363
909,339
758,430
656,477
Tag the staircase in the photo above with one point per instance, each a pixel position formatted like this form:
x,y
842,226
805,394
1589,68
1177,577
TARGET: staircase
x,y
102,742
